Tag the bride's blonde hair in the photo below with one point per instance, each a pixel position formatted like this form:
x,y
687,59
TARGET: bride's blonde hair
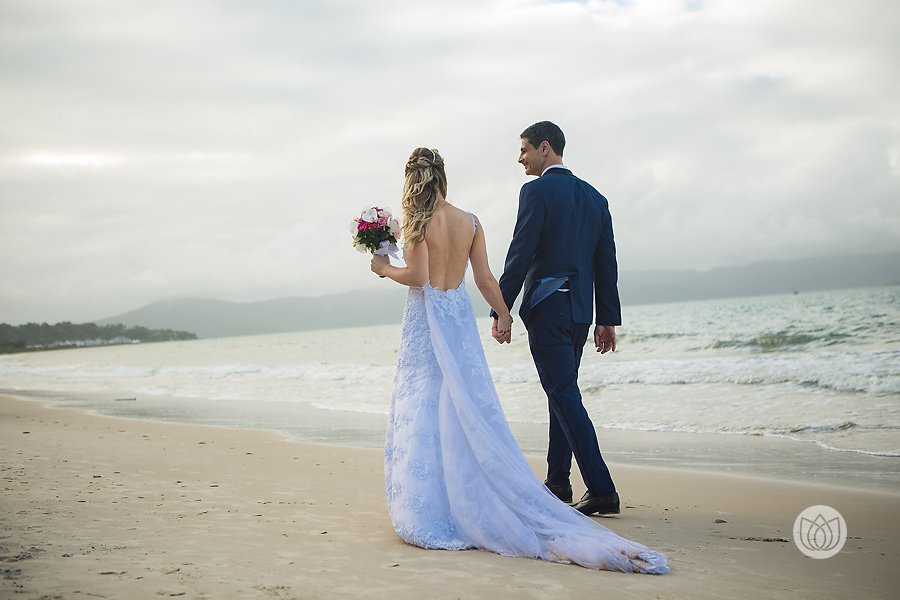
x,y
426,184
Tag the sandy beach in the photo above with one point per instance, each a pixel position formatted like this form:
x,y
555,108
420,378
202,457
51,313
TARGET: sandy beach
x,y
97,506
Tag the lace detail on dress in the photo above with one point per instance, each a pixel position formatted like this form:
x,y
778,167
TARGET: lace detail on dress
x,y
417,502
418,469
430,540
393,453
424,437
473,360
453,303
393,490
415,346
414,479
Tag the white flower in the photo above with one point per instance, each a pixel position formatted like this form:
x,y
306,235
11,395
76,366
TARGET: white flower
x,y
395,226
354,227
361,248
370,215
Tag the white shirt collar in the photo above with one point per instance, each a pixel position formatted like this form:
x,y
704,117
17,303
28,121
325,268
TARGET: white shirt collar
x,y
554,166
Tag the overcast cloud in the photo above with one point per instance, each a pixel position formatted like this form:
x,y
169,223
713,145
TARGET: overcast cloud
x,y
151,150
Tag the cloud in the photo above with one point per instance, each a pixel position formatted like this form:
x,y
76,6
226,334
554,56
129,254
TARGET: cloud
x,y
72,160
217,149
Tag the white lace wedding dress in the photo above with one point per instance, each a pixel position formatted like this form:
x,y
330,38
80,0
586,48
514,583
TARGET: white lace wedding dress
x,y
454,475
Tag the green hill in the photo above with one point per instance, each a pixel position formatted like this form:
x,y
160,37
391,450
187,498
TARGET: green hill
x,y
34,336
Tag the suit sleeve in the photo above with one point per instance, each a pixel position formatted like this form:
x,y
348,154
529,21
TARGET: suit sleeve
x,y
606,275
529,223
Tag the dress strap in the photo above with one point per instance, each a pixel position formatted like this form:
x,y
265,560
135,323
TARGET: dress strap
x,y
474,231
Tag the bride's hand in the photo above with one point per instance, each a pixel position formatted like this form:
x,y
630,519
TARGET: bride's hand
x,y
379,264
501,329
504,324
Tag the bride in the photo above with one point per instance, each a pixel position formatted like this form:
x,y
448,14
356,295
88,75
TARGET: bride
x,y
454,475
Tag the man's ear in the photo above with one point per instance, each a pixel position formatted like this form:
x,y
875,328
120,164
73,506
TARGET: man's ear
x,y
545,148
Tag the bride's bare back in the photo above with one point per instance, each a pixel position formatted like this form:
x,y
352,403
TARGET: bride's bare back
x,y
453,238
449,239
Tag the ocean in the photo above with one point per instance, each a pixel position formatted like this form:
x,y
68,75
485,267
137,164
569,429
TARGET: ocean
x,y
814,369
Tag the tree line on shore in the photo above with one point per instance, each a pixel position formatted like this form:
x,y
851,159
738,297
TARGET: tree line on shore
x,y
34,336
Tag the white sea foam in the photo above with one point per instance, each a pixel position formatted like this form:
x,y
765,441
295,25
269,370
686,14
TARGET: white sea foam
x,y
875,372
822,369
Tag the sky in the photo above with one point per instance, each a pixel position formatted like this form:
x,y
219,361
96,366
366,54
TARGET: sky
x,y
218,149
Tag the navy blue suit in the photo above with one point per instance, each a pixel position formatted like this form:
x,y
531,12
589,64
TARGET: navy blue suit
x,y
564,239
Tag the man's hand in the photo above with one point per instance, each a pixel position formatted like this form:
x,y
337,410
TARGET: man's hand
x,y
605,338
502,337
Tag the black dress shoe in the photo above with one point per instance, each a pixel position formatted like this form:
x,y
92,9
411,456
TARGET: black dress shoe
x,y
607,504
564,493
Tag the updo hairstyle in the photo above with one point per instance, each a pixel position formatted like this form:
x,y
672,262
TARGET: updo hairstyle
x,y
425,185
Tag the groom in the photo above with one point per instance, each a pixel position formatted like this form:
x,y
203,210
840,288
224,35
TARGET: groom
x,y
563,252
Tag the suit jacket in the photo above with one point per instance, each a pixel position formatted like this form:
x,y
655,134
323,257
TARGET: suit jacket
x,y
563,231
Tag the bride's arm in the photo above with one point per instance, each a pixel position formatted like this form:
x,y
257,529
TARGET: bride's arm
x,y
485,280
414,274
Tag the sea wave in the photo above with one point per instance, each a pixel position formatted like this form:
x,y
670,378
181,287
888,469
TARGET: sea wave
x,y
876,372
780,342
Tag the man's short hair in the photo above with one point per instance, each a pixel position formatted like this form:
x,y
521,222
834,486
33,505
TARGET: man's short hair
x,y
545,131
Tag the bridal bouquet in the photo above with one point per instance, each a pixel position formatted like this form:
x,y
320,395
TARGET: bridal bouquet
x,y
375,230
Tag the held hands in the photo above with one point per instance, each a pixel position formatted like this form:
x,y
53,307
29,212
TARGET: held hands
x,y
501,329
379,264
605,338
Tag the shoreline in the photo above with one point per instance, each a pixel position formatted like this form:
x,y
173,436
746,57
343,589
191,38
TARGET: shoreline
x,y
136,508
764,456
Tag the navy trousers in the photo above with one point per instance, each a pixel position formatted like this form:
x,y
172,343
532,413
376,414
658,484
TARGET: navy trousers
x,y
557,344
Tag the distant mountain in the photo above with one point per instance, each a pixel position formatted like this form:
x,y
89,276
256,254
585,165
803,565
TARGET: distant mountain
x,y
219,318
760,278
